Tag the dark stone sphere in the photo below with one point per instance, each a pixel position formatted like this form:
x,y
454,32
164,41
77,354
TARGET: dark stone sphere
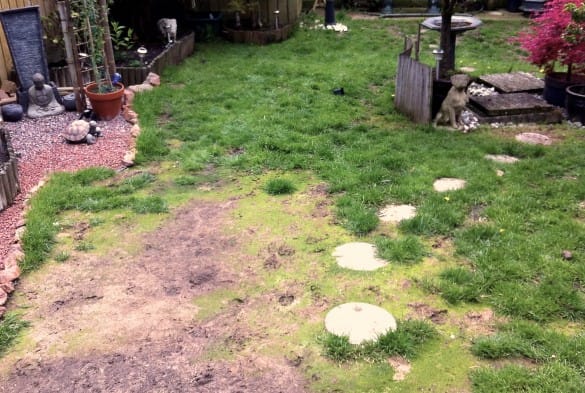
x,y
69,102
12,112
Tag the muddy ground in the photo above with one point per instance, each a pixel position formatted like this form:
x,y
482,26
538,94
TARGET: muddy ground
x,y
125,323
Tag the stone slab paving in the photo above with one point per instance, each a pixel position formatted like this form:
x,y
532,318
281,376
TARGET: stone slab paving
x,y
533,138
359,321
358,256
396,213
513,82
511,104
502,158
448,184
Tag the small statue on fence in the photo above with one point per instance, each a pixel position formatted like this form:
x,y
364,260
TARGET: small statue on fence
x,y
168,28
41,99
454,103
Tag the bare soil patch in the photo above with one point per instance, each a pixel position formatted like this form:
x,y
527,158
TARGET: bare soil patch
x,y
127,323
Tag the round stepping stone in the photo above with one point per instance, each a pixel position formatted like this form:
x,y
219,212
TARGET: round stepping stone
x,y
467,69
501,158
359,321
448,184
358,256
397,213
532,138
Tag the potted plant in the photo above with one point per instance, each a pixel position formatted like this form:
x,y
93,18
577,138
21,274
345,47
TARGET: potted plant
x,y
549,41
575,34
104,95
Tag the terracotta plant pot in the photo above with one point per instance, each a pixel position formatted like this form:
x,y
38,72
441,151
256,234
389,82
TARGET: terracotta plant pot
x,y
105,105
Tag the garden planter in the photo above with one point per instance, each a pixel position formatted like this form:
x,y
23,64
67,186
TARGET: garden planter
x,y
105,105
576,103
206,25
258,37
555,85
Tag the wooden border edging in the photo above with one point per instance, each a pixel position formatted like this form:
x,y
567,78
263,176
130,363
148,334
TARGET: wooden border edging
x,y
173,55
9,186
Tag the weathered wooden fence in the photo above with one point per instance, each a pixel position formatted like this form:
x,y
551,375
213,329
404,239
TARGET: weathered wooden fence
x,y
414,87
9,186
136,75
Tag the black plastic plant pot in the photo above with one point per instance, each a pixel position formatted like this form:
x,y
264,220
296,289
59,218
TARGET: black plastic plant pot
x,y
575,103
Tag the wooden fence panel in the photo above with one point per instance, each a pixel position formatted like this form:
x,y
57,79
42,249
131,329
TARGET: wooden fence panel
x,y
414,88
9,185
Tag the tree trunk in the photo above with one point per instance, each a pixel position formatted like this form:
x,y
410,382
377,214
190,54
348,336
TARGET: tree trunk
x,y
447,64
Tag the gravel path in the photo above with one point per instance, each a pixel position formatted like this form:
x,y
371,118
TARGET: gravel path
x,y
42,150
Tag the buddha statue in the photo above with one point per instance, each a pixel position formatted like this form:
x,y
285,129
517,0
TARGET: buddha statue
x,y
41,99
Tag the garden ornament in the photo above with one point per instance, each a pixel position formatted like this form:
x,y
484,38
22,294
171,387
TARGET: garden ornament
x,y
454,103
77,131
41,99
168,28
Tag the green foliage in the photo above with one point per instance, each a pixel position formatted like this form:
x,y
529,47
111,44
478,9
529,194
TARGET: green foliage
x,y
62,256
357,217
555,377
279,186
338,348
84,246
562,360
407,250
122,36
407,340
152,204
11,327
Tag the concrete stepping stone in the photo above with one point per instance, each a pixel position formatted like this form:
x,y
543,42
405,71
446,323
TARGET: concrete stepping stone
x,y
467,69
501,158
533,138
358,256
397,213
448,184
359,321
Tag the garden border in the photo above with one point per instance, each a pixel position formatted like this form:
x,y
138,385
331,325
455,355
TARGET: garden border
x,y
9,185
173,55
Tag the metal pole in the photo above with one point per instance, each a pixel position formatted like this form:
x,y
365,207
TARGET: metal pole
x,y
329,12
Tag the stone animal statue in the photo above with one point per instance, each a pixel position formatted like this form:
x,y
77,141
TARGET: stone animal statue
x,y
168,28
454,103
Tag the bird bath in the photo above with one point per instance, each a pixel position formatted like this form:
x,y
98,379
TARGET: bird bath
x,y
459,24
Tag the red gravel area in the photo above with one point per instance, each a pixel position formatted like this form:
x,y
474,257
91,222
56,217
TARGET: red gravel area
x,y
42,150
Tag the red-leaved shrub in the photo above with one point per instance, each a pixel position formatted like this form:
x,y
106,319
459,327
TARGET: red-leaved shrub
x,y
557,35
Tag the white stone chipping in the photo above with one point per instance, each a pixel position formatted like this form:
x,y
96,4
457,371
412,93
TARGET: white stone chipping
x,y
358,256
359,321
397,213
448,184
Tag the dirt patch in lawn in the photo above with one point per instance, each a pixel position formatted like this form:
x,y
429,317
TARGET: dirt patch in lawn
x,y
128,323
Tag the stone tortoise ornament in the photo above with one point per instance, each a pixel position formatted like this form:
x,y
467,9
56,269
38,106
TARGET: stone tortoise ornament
x,y
77,131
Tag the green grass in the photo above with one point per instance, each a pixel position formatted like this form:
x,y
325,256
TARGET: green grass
x,y
10,329
407,340
279,186
273,105
80,191
246,111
